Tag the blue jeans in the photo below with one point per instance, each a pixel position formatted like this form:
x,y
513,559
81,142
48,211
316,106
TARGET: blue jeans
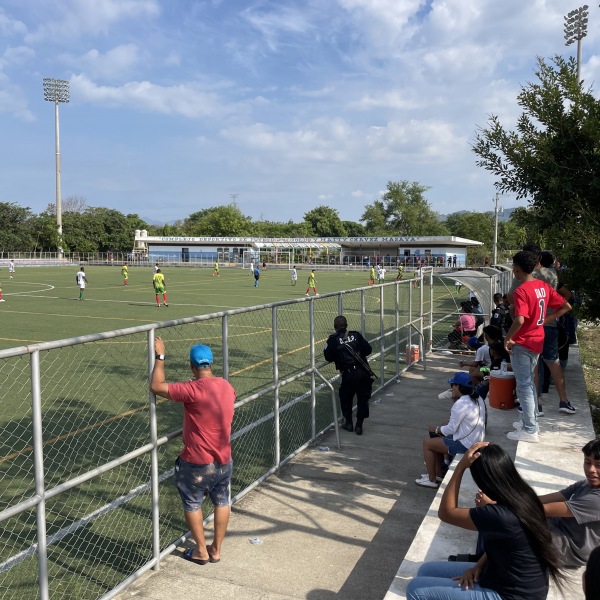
x,y
434,582
523,363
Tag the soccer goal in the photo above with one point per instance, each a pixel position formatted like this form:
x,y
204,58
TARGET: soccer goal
x,y
279,259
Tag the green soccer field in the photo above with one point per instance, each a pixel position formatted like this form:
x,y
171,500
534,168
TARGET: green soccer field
x,y
95,398
42,303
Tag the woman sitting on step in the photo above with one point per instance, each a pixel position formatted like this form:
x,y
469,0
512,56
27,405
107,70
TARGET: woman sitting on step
x,y
519,555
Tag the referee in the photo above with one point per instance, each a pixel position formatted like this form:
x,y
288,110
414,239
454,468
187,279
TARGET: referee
x,y
349,350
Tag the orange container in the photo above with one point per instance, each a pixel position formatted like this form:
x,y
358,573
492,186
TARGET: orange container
x,y
412,354
502,390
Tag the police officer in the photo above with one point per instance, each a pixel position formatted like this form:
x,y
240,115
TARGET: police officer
x,y
348,349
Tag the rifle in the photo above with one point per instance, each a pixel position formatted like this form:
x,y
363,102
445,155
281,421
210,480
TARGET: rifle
x,y
358,358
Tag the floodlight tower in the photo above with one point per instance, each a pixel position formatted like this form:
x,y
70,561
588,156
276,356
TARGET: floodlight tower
x,y
575,30
57,90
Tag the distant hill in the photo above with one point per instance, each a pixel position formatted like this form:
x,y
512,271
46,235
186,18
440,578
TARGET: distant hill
x,y
159,223
503,216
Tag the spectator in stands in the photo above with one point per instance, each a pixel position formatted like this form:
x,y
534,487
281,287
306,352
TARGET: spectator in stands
x,y
519,551
545,272
500,314
477,308
525,338
465,326
479,367
574,512
465,427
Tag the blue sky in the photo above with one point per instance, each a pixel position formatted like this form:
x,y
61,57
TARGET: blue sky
x,y
176,105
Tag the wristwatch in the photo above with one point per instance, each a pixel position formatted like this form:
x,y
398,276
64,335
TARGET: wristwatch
x,y
159,357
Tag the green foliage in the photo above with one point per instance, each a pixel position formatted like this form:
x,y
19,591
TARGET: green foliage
x,y
325,222
15,227
403,210
552,158
218,221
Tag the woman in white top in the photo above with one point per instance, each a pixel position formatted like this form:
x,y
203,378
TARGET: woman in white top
x,y
466,426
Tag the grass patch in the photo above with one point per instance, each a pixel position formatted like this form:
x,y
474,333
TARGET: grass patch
x,y
588,335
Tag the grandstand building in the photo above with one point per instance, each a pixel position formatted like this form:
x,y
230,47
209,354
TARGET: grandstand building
x,y
406,250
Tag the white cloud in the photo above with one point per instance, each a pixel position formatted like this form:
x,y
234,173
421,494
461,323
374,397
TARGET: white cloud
x,y
77,18
13,100
16,56
189,100
11,27
389,15
114,63
275,24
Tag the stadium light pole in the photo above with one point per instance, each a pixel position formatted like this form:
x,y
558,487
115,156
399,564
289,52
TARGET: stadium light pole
x,y
575,30
57,90
496,212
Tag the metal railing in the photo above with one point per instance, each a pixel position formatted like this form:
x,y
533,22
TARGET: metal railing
x,y
86,452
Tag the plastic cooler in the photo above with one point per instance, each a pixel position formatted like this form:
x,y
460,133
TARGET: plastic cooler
x,y
412,354
502,390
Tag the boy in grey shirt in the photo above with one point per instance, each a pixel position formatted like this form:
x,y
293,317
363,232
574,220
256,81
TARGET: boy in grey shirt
x,y
574,513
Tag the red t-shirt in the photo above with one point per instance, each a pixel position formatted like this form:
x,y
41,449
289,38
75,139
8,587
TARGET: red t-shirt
x,y
531,300
207,416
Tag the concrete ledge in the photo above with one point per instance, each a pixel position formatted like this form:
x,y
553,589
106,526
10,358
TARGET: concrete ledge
x,y
550,465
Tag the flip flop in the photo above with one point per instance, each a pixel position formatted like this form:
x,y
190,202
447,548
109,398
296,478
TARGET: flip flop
x,y
211,559
187,555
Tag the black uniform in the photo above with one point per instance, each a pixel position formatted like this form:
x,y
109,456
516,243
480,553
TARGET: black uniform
x,y
355,379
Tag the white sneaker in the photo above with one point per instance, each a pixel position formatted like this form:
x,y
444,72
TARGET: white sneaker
x,y
426,476
518,425
424,482
523,436
447,395
3,300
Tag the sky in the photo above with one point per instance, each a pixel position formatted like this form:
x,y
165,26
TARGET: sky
x,y
279,106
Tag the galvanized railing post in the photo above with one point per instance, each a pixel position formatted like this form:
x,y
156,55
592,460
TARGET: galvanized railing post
x,y
276,388
154,483
431,281
38,463
381,337
362,313
313,387
340,304
225,345
397,327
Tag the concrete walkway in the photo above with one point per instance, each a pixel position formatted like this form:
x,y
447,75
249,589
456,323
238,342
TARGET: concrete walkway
x,y
338,524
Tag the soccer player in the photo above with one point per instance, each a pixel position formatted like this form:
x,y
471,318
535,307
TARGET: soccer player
x,y
158,281
125,273
216,270
312,283
400,272
294,275
1,299
11,268
372,275
81,280
256,275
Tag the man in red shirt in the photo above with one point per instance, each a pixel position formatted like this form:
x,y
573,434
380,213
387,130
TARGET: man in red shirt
x,y
525,338
204,466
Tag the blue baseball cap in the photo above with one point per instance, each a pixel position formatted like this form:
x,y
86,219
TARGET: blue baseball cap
x,y
201,356
461,378
474,342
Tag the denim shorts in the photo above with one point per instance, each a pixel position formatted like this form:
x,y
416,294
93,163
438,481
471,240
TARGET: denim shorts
x,y
195,482
454,448
550,351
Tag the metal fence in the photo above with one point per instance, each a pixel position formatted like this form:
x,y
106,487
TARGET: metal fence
x,y
86,501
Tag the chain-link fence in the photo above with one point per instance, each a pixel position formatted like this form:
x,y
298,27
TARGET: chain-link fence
x,y
86,499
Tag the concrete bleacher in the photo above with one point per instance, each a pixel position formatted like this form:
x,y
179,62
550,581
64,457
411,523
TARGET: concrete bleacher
x,y
350,523
550,465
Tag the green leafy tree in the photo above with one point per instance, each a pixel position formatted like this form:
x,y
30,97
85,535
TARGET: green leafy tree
x,y
403,210
552,158
15,227
354,229
325,222
218,221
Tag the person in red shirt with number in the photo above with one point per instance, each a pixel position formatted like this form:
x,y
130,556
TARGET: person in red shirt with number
x,y
525,338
